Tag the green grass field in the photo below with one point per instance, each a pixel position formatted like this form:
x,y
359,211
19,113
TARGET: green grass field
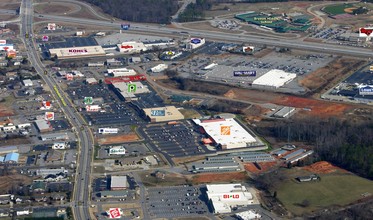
x,y
333,189
337,9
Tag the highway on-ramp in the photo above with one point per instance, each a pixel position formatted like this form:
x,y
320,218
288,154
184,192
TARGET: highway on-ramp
x,y
80,199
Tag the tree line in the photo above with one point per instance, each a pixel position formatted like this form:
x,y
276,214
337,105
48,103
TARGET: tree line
x,y
344,143
195,11
148,11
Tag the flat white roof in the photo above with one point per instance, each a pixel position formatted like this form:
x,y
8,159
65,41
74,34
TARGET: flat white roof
x,y
238,135
225,196
75,52
275,78
119,182
170,113
123,88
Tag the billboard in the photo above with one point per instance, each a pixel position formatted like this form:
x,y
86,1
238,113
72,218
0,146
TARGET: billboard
x,y
245,73
365,32
117,151
157,113
92,108
47,104
45,38
6,47
225,130
88,100
231,196
108,130
2,42
126,46
114,213
366,90
195,41
11,53
49,116
131,88
51,26
69,76
248,49
125,26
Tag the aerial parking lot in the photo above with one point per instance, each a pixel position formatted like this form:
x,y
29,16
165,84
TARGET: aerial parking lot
x,y
172,202
223,71
119,114
177,140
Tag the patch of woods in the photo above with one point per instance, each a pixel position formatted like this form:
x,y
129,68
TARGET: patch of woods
x,y
346,144
195,11
358,211
148,11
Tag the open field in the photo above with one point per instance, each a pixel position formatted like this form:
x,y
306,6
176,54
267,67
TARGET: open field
x,y
7,181
10,4
337,9
170,179
220,177
323,167
55,8
190,113
4,106
330,74
118,139
332,190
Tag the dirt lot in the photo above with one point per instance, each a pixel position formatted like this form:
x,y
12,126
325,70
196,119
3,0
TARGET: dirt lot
x,y
6,182
219,177
330,74
317,108
323,167
5,111
117,139
264,165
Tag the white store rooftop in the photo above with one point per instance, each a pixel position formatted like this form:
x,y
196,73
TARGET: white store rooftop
x,y
237,138
275,78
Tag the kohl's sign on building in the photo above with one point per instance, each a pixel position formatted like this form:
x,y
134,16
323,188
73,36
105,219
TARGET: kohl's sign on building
x,y
78,51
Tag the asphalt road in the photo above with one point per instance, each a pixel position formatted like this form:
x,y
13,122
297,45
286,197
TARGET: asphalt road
x,y
80,199
212,35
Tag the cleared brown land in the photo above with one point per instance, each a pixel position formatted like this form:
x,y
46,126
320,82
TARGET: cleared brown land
x,y
318,107
219,177
4,111
325,76
118,139
322,167
265,166
7,181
